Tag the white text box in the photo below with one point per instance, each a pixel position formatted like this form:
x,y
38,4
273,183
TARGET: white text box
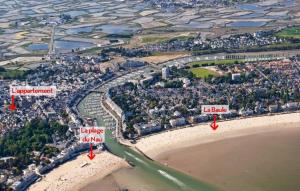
x,y
94,135
33,91
214,109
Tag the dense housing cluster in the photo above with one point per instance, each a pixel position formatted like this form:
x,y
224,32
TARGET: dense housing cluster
x,y
249,89
230,43
177,4
53,142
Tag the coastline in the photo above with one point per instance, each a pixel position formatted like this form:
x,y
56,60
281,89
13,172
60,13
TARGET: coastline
x,y
154,145
73,175
70,176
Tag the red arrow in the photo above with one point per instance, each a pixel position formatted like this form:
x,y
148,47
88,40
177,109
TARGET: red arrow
x,y
12,106
214,125
91,155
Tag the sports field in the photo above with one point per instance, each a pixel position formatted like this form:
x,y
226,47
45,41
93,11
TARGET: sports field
x,y
293,32
203,72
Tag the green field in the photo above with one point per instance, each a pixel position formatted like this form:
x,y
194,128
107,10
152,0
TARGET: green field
x,y
284,45
153,39
215,62
203,72
160,39
293,32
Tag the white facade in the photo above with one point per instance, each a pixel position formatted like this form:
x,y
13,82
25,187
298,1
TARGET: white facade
x,y
165,72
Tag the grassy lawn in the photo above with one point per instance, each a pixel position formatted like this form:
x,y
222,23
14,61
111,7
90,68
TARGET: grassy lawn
x,y
152,39
284,45
202,72
293,32
157,39
215,62
94,50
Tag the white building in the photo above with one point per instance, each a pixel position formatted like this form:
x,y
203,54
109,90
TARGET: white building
x,y
144,129
26,180
177,122
246,112
291,106
198,118
165,72
274,108
236,77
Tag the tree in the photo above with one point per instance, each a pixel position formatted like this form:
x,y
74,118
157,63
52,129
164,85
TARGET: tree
x,y
32,137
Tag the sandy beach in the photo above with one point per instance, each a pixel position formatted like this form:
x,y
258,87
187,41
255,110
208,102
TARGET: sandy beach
x,y
260,153
191,143
71,176
186,137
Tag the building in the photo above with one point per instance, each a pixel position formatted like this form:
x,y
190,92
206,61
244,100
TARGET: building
x,y
147,79
165,72
114,106
144,129
232,113
236,77
274,108
177,122
26,180
186,82
198,119
290,106
246,112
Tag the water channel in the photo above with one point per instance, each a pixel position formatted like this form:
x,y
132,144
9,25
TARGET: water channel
x,y
159,176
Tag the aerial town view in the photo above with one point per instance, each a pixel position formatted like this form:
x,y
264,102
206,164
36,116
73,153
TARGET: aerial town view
x,y
150,95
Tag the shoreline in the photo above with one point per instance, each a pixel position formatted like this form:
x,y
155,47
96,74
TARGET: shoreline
x,y
70,176
77,173
154,145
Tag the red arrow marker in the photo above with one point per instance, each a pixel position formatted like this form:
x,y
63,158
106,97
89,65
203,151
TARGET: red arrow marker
x,y
91,155
12,106
214,125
